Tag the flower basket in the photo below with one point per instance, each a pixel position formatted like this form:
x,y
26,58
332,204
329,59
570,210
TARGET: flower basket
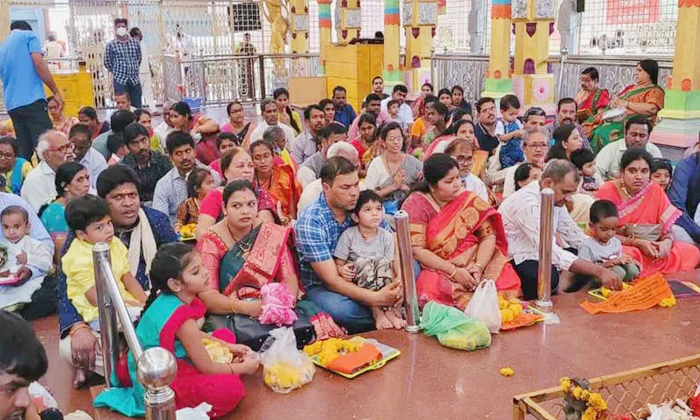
x,y
627,393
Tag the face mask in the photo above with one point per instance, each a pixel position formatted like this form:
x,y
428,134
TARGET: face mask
x,y
121,31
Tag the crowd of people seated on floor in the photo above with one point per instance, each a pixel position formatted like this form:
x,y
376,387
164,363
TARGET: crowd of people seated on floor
x,y
306,198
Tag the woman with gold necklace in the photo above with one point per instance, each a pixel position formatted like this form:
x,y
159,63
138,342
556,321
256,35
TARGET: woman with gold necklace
x,y
646,218
242,255
457,238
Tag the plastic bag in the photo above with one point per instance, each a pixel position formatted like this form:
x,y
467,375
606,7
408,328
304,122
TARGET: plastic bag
x,y
200,412
284,367
484,306
453,328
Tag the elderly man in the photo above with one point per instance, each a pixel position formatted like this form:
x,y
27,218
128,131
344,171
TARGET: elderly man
x,y
54,149
24,72
535,147
591,98
314,189
311,169
90,158
566,114
521,221
317,232
399,94
306,144
171,190
373,105
268,107
142,230
165,127
637,130
23,361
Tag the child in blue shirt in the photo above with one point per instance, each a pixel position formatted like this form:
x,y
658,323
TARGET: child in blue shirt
x,y
509,131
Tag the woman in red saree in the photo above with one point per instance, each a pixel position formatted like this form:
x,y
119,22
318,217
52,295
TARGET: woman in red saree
x,y
241,255
277,179
646,218
457,238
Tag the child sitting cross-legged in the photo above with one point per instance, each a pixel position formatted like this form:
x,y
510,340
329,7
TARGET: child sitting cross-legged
x,y
208,366
365,255
88,217
603,247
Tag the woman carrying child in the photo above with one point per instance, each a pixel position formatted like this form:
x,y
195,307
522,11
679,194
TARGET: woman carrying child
x,y
457,238
199,183
171,319
646,218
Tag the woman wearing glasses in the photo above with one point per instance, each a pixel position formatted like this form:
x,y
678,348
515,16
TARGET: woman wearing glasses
x,y
12,167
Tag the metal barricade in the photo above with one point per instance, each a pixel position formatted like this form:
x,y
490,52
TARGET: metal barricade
x,y
156,366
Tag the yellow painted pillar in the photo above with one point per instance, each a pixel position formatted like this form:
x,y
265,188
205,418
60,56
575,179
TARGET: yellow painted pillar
x,y
300,26
350,20
497,82
392,23
532,81
420,18
324,29
680,117
4,18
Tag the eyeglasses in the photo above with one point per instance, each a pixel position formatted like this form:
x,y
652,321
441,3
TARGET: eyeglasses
x,y
394,138
537,146
464,159
68,147
9,155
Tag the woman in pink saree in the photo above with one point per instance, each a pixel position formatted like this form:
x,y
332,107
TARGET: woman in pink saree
x,y
457,238
646,218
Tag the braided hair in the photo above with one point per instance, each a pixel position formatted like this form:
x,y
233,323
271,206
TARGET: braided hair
x,y
169,263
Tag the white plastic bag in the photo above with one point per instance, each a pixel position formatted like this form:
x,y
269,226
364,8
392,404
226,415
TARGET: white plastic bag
x,y
484,306
285,368
200,412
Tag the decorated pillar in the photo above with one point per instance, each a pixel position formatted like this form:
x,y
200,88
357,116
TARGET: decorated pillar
x,y
419,19
300,26
532,80
392,22
324,29
680,117
498,83
4,19
348,20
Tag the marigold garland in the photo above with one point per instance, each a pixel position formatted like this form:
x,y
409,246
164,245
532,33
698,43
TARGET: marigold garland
x,y
596,406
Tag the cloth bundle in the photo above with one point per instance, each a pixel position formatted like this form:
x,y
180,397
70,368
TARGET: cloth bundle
x,y
277,305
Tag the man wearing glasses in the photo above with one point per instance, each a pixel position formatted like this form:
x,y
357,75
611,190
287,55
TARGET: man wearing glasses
x,y
637,130
54,149
535,148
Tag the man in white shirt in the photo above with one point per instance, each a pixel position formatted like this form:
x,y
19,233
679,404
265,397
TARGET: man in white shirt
x,y
166,127
311,169
306,143
269,114
460,149
39,187
637,130
535,147
405,112
314,189
90,158
521,221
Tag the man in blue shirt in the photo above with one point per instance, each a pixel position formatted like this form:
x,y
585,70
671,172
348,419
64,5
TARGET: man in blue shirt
x,y
684,194
23,70
123,59
317,232
344,113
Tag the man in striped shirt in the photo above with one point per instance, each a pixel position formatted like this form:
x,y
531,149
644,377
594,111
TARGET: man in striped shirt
x,y
123,59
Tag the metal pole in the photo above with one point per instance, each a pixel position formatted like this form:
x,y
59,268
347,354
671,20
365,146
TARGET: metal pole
x,y
544,275
109,334
562,63
157,369
263,86
409,280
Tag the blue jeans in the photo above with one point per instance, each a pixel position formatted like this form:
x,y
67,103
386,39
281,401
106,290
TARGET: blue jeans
x,y
346,312
134,91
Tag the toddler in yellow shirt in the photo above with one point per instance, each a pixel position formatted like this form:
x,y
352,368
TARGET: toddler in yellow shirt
x,y
88,217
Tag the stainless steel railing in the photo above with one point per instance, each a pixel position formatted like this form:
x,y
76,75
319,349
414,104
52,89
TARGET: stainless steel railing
x,y
156,366
407,275
544,272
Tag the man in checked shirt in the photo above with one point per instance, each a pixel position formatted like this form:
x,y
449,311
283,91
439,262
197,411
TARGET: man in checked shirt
x,y
123,58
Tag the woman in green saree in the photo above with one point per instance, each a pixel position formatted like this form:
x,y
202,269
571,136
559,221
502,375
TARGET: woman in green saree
x,y
644,98
242,256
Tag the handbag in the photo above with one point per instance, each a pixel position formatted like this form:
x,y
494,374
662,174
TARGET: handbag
x,y
250,332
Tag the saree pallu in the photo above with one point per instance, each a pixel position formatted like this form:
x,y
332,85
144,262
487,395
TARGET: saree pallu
x,y
453,234
256,260
589,104
284,189
601,133
650,207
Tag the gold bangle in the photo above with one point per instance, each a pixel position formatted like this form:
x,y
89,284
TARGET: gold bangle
x,y
232,305
230,366
453,273
78,328
481,267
